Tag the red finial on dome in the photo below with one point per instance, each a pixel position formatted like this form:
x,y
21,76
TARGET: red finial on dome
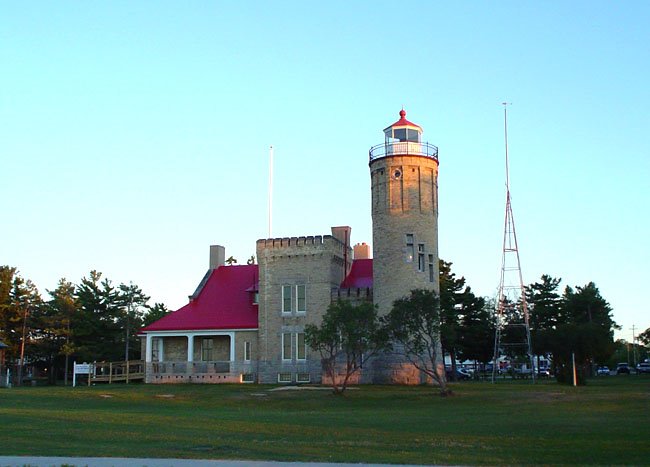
x,y
402,113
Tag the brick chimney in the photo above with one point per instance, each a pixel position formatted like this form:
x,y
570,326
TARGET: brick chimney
x,y
361,251
217,256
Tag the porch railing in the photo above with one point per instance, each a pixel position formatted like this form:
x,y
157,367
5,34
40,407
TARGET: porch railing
x,y
189,368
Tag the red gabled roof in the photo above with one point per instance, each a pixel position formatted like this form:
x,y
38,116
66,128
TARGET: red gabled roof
x,y
360,275
224,302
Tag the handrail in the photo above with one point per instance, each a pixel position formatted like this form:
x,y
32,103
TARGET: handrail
x,y
403,148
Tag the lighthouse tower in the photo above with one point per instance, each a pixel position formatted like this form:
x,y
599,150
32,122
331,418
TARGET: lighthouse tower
x,y
404,181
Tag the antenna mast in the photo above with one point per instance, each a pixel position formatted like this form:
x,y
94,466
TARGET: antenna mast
x,y
512,323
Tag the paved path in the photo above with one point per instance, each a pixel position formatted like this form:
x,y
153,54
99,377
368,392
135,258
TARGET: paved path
x,y
32,461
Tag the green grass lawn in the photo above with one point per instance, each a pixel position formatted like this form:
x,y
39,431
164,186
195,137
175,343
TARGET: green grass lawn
x,y
605,422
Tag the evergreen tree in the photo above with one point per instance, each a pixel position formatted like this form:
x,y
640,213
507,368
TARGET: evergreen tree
x,y
545,308
133,302
451,300
476,328
585,330
97,324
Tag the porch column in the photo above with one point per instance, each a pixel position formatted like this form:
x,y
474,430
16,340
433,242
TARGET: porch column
x,y
148,350
161,350
190,347
232,346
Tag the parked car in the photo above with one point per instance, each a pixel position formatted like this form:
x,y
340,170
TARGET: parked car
x,y
602,371
622,369
461,374
543,372
643,367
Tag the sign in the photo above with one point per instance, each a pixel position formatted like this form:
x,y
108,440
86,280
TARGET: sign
x,y
81,369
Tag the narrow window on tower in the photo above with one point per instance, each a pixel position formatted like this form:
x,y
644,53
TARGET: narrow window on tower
x,y
301,298
301,346
286,346
431,269
421,257
410,250
286,299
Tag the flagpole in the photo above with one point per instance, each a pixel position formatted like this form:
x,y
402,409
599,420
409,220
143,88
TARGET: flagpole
x,y
270,192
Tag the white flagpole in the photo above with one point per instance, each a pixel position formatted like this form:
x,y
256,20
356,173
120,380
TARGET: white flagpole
x,y
270,192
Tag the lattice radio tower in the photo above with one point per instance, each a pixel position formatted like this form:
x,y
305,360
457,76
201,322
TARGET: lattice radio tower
x,y
511,307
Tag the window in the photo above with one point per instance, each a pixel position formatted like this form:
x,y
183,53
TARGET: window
x,y
301,298
421,257
302,377
256,298
248,377
410,252
286,346
155,349
284,377
247,351
301,346
207,345
286,299
431,269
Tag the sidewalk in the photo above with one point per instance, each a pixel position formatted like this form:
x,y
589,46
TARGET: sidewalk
x,y
28,461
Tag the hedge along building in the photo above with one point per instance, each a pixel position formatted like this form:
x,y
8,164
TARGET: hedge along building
x,y
246,323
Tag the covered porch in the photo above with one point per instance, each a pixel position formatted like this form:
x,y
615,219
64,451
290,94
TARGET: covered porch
x,y
192,357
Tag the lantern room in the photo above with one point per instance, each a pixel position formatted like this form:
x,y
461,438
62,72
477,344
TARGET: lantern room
x,y
403,138
403,131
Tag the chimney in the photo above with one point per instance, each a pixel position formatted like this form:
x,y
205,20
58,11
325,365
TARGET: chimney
x,y
217,256
342,234
361,251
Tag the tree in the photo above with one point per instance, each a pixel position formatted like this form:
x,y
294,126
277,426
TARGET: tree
x,y
154,313
133,302
451,299
585,330
545,308
347,337
97,324
414,324
10,329
476,333
644,337
53,331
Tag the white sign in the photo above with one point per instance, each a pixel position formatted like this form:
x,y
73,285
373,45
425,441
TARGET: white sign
x,y
82,368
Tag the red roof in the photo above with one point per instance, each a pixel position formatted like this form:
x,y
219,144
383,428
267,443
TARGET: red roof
x,y
360,275
224,302
403,122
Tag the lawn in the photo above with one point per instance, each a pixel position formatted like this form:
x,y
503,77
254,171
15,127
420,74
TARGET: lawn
x,y
508,423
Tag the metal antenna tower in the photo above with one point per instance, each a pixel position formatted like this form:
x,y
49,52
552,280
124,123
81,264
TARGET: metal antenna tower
x,y
511,306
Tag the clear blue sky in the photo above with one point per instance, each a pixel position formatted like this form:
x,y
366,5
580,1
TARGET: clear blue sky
x,y
135,134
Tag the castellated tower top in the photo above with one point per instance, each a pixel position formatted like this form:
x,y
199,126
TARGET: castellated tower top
x,y
403,138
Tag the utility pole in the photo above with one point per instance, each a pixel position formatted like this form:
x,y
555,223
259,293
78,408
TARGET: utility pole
x,y
22,347
634,344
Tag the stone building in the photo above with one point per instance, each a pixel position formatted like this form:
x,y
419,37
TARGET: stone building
x,y
246,323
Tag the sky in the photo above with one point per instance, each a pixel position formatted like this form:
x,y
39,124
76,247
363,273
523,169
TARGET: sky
x,y
134,135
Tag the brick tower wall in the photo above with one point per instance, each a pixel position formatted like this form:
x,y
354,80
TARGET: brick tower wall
x,y
318,263
405,225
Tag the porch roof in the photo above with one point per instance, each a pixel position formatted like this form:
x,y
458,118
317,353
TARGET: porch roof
x,y
225,302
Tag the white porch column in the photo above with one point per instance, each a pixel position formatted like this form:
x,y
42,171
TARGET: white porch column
x,y
190,347
148,350
232,346
161,350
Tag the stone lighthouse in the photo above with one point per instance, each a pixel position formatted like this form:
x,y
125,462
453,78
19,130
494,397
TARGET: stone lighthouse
x,y
404,181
